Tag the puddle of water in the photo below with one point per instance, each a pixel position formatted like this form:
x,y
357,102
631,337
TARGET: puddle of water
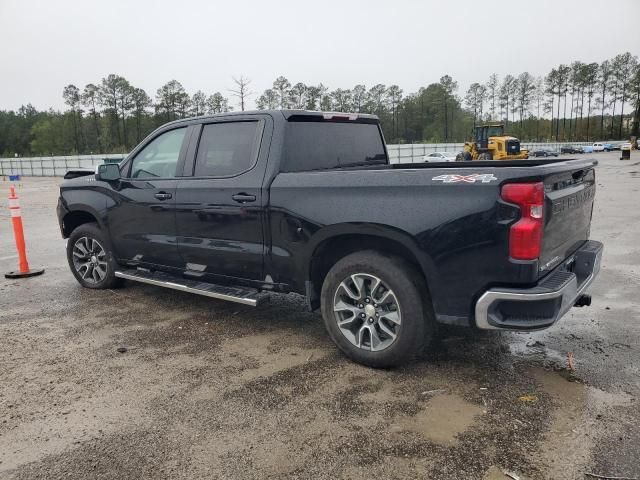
x,y
444,417
567,445
569,441
571,393
272,360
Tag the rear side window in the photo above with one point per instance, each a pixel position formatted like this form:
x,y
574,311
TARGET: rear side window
x,y
327,145
226,149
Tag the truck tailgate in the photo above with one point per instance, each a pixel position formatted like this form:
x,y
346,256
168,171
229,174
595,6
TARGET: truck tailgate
x,y
569,205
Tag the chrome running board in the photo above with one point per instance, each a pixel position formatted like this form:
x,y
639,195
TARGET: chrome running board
x,y
244,295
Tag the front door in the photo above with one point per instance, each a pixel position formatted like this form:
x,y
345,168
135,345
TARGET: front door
x,y
141,216
220,208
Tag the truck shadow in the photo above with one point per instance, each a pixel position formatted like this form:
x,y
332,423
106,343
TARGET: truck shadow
x,y
182,322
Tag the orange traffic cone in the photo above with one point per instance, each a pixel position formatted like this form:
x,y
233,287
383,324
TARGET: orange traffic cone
x,y
18,233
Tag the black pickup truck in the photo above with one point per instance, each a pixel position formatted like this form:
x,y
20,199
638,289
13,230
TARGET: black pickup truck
x,y
234,205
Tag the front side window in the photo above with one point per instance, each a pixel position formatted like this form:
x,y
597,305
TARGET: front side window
x,y
159,158
226,149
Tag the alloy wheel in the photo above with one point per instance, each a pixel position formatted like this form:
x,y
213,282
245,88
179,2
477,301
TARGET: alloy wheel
x,y
367,312
90,260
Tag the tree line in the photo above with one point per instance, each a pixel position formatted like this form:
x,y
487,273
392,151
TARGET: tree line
x,y
574,102
111,116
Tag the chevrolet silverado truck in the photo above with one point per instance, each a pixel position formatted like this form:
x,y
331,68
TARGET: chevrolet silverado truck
x,y
236,205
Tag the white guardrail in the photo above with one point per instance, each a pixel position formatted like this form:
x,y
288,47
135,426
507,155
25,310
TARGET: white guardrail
x,y
52,166
413,152
58,166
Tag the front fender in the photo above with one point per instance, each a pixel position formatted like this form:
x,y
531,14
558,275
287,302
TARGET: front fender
x,y
84,200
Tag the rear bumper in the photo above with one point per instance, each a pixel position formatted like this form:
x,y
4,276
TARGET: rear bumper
x,y
544,304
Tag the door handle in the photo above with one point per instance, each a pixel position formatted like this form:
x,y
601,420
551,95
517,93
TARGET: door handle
x,y
163,196
243,197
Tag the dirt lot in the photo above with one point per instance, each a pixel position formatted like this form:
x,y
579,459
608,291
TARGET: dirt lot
x,y
208,389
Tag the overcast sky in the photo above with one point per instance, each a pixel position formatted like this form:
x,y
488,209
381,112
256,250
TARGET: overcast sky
x,y
46,45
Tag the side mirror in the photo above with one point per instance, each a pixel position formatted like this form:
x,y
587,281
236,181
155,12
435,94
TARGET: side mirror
x,y
108,172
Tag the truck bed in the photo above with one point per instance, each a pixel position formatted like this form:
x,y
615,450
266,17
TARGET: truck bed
x,y
452,212
489,163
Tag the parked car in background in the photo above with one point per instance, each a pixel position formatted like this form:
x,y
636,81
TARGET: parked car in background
x,y
440,157
544,152
587,149
601,147
571,149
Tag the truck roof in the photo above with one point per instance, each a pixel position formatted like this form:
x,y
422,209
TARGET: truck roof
x,y
290,114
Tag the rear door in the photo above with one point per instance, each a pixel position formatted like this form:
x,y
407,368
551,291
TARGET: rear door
x,y
569,199
220,209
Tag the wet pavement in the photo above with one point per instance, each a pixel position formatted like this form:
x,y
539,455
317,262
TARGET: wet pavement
x,y
208,389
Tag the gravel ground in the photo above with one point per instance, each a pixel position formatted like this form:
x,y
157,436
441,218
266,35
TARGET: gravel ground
x,y
208,389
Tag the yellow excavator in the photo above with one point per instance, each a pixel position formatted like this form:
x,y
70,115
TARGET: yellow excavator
x,y
490,143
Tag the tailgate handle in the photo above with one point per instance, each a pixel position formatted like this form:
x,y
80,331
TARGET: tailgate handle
x,y
243,197
579,175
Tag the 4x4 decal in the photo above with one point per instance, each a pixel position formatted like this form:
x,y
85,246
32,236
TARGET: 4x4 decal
x,y
473,178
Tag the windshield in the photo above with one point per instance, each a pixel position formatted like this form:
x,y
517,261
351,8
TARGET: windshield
x,y
495,131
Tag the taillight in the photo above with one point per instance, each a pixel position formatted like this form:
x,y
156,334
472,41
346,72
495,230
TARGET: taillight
x,y
525,236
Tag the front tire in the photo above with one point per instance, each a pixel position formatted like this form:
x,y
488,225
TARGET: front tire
x,y
90,258
376,309
485,156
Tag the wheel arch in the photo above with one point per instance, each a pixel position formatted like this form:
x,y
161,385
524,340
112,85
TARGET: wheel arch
x,y
336,242
76,217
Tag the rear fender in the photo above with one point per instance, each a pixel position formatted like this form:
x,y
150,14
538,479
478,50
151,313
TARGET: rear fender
x,y
385,232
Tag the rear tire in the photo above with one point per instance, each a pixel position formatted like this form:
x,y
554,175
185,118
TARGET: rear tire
x,y
90,258
485,156
393,298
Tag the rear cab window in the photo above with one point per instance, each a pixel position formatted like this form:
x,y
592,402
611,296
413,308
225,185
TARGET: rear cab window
x,y
326,145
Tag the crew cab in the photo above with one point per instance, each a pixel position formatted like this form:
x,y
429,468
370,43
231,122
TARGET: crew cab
x,y
236,205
